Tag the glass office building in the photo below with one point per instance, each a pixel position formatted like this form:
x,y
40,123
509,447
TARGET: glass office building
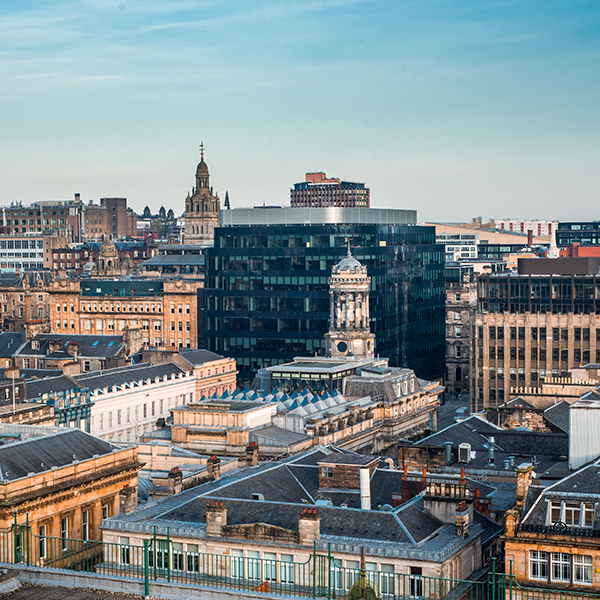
x,y
266,298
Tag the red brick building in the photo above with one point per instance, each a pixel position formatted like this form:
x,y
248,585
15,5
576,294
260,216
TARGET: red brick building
x,y
317,191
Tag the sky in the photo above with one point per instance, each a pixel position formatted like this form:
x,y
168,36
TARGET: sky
x,y
455,108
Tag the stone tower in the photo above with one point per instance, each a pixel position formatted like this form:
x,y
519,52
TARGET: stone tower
x,y
349,330
201,208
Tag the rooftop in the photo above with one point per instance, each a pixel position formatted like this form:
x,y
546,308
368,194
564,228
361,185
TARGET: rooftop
x,y
316,216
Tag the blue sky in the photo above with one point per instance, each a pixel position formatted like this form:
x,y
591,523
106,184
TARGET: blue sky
x,y
456,108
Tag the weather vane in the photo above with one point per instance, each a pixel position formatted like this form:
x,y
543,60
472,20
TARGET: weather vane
x,y
202,150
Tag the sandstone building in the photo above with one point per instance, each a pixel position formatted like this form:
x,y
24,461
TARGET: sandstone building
x,y
201,208
165,310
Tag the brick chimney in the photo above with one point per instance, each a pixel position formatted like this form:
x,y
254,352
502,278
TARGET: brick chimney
x,y
175,481
462,516
309,525
216,517
524,476
127,499
252,454
214,467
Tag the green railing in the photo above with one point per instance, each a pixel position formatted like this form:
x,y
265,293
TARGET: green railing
x,y
321,576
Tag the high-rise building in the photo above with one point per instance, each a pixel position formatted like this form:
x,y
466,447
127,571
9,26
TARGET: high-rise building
x,y
267,298
320,192
117,216
529,327
201,208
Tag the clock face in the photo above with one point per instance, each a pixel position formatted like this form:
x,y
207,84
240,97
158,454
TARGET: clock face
x,y
342,346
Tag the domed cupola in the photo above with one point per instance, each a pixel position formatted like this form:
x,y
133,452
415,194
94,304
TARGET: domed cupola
x,y
349,331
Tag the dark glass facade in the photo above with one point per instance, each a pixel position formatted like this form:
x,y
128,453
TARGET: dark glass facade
x,y
585,233
558,294
497,251
267,298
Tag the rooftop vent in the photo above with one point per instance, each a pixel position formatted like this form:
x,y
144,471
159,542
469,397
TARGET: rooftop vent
x,y
258,496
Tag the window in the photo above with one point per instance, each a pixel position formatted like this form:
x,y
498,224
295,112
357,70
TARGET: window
x,y
253,562
105,511
327,472
286,565
193,562
457,316
85,525
125,551
237,564
561,567
43,542
582,569
573,514
177,556
64,533
538,564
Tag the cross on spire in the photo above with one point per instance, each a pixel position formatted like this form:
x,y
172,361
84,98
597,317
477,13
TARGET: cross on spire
x,y
201,150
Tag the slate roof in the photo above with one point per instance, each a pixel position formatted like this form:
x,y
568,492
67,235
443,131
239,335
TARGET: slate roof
x,y
546,448
126,376
40,454
518,402
91,346
340,522
558,415
36,388
9,343
582,485
199,357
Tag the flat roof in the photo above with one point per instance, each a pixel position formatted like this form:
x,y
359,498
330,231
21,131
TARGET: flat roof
x,y
316,216
309,365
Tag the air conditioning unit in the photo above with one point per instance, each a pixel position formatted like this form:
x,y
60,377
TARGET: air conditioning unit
x,y
464,453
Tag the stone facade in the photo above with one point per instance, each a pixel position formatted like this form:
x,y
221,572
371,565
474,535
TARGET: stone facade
x,y
67,501
518,350
349,329
201,208
167,317
461,303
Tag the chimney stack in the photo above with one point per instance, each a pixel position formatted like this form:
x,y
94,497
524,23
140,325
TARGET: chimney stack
x,y
524,476
216,517
309,525
214,467
461,520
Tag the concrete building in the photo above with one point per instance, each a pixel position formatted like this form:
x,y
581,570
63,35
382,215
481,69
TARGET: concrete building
x,y
201,208
183,260
266,298
461,304
530,327
538,227
318,191
459,246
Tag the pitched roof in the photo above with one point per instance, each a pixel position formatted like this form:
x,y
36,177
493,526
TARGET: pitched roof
x,y
558,415
91,346
36,388
199,357
125,376
9,343
40,454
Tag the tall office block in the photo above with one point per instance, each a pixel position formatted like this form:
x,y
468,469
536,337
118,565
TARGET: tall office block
x,y
266,297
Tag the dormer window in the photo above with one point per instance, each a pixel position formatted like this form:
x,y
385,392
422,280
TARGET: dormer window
x,y
35,344
572,514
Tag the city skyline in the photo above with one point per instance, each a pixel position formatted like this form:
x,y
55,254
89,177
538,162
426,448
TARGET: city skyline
x,y
448,107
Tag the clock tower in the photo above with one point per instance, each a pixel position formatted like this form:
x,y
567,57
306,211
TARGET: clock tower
x,y
349,331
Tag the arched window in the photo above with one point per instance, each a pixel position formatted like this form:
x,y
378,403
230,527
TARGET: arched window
x,y
458,373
